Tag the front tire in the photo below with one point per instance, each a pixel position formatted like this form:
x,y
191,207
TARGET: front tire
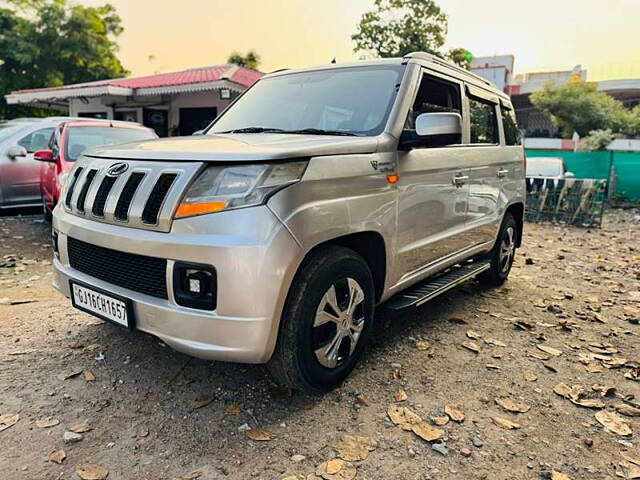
x,y
502,254
48,215
326,323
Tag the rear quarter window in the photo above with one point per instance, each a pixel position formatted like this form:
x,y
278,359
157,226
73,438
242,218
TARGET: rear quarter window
x,y
512,134
484,125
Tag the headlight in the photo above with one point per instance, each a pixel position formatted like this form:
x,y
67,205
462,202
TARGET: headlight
x,y
226,188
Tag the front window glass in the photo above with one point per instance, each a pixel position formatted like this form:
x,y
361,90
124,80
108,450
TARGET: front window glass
x,y
512,135
81,138
348,101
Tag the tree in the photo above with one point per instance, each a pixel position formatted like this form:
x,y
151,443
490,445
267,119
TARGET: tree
x,y
580,107
48,43
250,60
397,27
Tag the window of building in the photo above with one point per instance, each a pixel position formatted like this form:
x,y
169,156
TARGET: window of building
x,y
37,140
512,135
484,125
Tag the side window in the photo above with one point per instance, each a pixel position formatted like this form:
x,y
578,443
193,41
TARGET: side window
x,y
484,125
512,135
434,96
37,140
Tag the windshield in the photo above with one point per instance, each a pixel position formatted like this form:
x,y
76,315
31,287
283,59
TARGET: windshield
x,y
8,129
544,167
81,138
347,101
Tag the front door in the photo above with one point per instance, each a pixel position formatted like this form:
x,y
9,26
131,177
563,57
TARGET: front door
x,y
21,175
433,187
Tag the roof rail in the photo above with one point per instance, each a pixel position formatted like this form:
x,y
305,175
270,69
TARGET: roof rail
x,y
435,59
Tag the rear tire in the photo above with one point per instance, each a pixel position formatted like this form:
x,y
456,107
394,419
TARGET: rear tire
x,y
326,323
502,254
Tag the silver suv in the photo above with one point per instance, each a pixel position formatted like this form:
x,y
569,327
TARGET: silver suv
x,y
318,195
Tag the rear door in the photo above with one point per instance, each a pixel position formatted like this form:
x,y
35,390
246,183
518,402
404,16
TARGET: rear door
x,y
21,182
433,188
488,165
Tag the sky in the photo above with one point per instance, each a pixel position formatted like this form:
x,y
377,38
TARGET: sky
x,y
165,35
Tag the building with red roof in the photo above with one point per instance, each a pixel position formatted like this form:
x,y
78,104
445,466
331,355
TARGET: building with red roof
x,y
176,103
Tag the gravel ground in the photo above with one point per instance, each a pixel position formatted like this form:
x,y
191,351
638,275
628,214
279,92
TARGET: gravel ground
x,y
566,320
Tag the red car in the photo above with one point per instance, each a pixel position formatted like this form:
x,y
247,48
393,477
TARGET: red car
x,y
69,140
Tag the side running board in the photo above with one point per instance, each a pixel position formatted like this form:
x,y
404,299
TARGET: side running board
x,y
432,287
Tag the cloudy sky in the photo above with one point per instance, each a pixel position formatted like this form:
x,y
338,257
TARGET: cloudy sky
x,y
165,35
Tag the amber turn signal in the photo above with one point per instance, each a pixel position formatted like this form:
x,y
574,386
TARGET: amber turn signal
x,y
393,178
191,209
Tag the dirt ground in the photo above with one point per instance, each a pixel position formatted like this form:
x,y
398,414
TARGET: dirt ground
x,y
568,315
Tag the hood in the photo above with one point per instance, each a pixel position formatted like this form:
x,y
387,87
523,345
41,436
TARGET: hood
x,y
237,147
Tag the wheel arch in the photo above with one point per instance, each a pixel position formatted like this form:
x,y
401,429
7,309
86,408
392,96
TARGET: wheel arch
x,y
517,210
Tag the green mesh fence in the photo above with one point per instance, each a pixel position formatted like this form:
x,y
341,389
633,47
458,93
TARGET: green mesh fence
x,y
597,165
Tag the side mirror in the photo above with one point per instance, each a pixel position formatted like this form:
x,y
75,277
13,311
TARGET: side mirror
x,y
43,156
16,151
437,129
440,123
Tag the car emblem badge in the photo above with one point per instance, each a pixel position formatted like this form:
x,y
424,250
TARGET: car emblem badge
x,y
117,169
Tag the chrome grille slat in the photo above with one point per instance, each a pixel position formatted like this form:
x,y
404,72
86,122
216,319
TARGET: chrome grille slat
x,y
72,187
82,196
124,200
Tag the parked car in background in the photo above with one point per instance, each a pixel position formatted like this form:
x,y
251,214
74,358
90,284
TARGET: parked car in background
x,y
547,167
19,172
69,140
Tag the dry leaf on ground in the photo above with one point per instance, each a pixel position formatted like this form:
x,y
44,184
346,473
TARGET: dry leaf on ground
x,y
260,435
8,420
407,420
627,410
559,476
89,376
47,422
336,470
530,376
575,394
81,428
58,456
440,421
505,423
400,395
615,362
630,458
494,342
354,448
454,412
202,401
90,471
422,346
473,335
232,410
550,350
512,406
72,372
613,422
471,346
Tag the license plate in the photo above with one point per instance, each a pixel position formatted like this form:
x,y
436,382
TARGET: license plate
x,y
102,304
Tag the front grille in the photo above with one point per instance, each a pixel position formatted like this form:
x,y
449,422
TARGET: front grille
x,y
158,194
77,173
102,195
126,197
82,196
135,272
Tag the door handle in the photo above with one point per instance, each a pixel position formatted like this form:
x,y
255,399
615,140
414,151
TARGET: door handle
x,y
460,180
502,173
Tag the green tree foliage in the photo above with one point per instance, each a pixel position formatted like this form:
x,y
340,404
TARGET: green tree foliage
x,y
580,107
599,139
250,60
47,43
397,27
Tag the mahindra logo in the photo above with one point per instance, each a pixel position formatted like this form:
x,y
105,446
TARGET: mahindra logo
x,y
117,169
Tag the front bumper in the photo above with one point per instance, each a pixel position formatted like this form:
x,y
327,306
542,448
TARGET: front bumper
x,y
255,258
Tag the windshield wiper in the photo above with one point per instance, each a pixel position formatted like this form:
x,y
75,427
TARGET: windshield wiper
x,y
319,131
254,130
